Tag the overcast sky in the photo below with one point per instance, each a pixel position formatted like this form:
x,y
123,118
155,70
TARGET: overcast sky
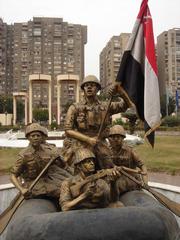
x,y
104,18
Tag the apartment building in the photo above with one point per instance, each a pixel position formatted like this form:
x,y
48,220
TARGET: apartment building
x,y
110,58
6,43
168,52
45,46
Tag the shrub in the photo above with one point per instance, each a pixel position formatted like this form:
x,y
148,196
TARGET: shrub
x,y
171,121
118,121
40,115
54,125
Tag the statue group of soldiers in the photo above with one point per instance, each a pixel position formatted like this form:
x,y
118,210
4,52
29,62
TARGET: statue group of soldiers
x,y
85,173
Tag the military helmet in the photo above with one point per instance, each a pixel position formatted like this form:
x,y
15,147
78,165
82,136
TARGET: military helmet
x,y
117,130
82,154
44,131
33,127
91,78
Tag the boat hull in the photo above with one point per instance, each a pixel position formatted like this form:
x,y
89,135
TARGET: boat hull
x,y
143,218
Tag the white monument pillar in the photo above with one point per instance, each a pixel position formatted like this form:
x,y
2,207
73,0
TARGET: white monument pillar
x,y
26,110
30,101
14,110
40,79
50,104
60,79
77,91
58,102
22,95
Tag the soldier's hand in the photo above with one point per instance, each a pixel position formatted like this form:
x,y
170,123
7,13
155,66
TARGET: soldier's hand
x,y
116,89
112,90
113,173
92,141
145,179
90,190
26,193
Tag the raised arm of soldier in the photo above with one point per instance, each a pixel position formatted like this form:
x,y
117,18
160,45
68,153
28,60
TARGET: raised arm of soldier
x,y
116,89
83,120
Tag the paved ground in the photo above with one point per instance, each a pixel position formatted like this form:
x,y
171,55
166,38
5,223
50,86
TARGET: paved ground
x,y
153,177
165,178
161,133
4,179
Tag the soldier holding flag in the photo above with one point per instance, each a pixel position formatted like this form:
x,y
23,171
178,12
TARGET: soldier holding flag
x,y
84,119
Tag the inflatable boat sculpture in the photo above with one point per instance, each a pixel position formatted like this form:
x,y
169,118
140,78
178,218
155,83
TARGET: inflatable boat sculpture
x,y
87,211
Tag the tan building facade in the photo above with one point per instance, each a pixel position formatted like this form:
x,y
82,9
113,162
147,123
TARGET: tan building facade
x,y
45,46
168,57
110,58
6,63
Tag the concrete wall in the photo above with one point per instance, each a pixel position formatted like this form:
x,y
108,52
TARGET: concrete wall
x,y
6,119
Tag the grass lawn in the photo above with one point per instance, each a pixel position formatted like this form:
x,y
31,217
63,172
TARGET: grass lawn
x,y
7,158
165,157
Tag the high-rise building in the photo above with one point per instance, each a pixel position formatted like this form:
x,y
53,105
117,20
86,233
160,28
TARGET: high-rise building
x,y
6,46
110,58
45,46
168,58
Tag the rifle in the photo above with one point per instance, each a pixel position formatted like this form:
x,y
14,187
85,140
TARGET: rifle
x,y
171,205
76,188
6,216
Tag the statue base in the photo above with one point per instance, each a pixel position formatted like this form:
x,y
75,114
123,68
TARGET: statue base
x,y
143,218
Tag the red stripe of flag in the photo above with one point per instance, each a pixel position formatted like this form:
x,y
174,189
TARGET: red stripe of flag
x,y
138,72
149,39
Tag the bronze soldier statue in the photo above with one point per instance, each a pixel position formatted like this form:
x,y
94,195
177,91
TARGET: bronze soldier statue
x,y
31,162
83,120
88,189
123,155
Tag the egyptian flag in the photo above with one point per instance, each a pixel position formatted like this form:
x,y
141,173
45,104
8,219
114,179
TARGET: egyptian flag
x,y
138,72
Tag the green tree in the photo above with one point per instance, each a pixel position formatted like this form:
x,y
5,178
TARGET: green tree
x,y
167,109
6,104
40,115
66,106
20,110
103,96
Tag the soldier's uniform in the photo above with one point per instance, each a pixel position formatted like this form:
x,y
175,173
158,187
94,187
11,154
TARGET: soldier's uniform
x,y
31,162
87,119
101,188
125,156
99,199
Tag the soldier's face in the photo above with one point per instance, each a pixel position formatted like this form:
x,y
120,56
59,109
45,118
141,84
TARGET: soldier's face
x,y
35,138
116,140
90,89
88,165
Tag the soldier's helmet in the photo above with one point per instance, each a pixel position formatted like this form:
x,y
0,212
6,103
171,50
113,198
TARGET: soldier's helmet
x,y
35,127
44,131
93,79
117,130
83,154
